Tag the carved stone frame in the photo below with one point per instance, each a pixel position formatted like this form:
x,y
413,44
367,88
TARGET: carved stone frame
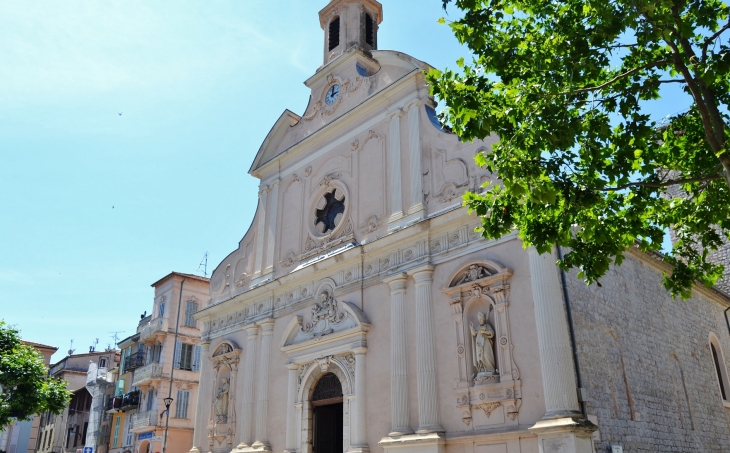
x,y
220,433
504,391
331,353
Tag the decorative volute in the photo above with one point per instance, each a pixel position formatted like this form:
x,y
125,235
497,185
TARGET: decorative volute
x,y
350,23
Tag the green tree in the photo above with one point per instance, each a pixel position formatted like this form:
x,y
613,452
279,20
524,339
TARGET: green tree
x,y
26,387
565,85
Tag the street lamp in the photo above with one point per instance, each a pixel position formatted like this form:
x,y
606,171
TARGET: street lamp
x,y
168,402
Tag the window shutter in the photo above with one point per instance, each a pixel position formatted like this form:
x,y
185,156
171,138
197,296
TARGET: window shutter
x,y
181,410
196,358
178,347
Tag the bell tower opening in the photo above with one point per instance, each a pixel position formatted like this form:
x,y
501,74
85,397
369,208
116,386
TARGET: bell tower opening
x,y
328,404
348,24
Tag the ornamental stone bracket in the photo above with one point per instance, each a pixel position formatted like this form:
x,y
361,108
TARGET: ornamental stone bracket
x,y
487,385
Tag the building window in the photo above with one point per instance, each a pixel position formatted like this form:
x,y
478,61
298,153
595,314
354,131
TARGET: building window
x,y
187,357
161,310
150,399
334,33
181,410
116,431
369,30
720,368
190,310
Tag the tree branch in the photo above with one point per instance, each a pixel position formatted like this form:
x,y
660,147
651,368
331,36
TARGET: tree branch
x,y
671,182
673,81
712,38
619,77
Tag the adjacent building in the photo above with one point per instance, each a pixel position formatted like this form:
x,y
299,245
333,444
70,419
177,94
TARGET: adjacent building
x,y
363,312
160,362
67,432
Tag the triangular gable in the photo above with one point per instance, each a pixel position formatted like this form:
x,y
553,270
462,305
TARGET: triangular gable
x,y
270,147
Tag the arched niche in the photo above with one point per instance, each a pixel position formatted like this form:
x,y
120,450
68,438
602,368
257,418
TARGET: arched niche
x,y
489,398
222,414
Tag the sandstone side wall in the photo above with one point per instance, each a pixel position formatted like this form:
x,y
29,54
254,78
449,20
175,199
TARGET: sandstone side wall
x,y
646,363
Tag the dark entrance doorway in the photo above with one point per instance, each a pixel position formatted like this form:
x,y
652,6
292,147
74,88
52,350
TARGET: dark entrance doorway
x,y
328,419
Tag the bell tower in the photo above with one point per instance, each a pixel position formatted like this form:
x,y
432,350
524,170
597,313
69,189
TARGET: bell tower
x,y
350,23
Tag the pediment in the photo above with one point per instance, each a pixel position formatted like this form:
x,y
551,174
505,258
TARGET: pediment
x,y
483,273
329,320
270,147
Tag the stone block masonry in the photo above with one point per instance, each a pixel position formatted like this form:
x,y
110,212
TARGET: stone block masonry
x,y
646,363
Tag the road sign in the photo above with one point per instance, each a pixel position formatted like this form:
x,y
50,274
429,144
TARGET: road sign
x,y
143,436
88,449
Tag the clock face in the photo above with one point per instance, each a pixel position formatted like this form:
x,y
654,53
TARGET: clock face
x,y
332,94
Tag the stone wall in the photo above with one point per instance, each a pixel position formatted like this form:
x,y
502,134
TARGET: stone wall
x,y
646,364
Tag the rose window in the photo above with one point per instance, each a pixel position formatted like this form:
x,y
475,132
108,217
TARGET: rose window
x,y
329,211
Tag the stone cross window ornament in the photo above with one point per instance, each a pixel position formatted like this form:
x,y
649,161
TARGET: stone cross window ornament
x,y
330,210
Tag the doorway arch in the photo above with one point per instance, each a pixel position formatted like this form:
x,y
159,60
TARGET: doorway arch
x,y
316,373
327,415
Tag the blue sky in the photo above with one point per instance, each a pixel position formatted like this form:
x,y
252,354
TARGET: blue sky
x,y
96,206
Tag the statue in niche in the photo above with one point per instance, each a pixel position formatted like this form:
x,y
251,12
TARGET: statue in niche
x,y
474,273
482,351
221,401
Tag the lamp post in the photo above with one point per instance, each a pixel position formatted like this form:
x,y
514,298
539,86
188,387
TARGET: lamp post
x,y
167,401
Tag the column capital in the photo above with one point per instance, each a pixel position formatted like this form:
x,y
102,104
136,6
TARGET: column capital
x,y
267,326
360,351
292,366
397,282
396,112
252,330
422,274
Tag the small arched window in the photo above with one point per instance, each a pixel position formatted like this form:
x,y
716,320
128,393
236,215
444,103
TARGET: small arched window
x,y
334,33
369,30
720,368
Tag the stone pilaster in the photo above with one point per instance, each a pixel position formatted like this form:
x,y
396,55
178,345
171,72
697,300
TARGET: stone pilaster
x,y
249,376
396,190
414,143
561,429
260,232
428,421
358,438
201,418
558,370
291,412
262,404
272,216
400,414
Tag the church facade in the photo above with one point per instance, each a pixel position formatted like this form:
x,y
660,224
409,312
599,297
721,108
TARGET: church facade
x,y
362,312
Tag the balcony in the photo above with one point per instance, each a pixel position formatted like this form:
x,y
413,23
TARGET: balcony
x,y
142,421
146,374
130,401
134,361
114,404
155,327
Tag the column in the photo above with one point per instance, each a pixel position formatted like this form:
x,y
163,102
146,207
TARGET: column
x,y
426,352
396,194
273,216
200,437
556,357
359,438
248,388
260,232
400,416
262,405
414,142
291,401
